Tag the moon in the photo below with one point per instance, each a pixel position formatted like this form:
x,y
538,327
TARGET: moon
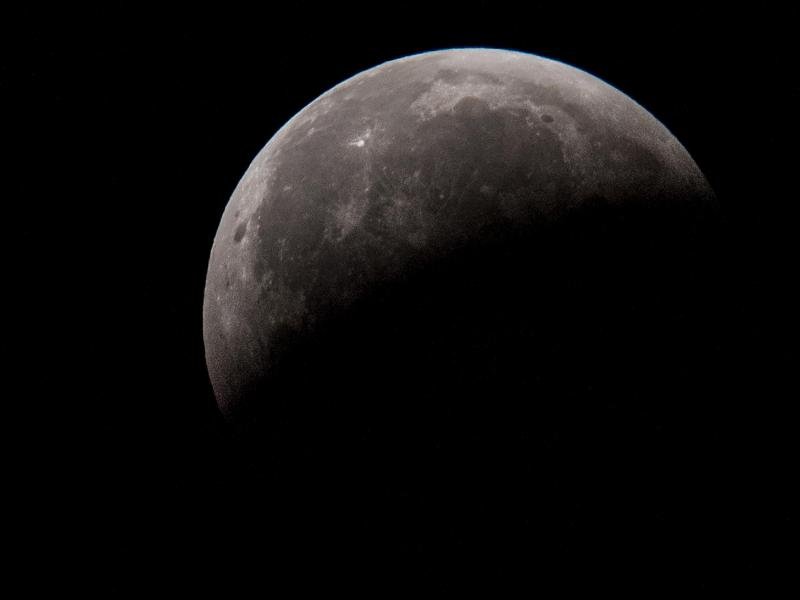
x,y
416,165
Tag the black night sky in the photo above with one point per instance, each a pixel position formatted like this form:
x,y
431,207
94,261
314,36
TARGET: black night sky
x,y
126,132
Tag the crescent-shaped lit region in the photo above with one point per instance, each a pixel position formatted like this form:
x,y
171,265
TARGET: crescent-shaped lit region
x,y
407,162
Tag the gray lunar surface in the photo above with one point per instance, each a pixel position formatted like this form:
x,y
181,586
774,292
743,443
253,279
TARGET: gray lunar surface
x,y
406,162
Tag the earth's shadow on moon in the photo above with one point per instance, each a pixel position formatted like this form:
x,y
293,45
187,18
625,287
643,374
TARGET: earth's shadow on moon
x,y
531,385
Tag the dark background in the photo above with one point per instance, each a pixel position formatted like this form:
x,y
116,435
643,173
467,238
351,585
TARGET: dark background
x,y
126,132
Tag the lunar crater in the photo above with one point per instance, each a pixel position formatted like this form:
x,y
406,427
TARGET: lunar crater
x,y
240,231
